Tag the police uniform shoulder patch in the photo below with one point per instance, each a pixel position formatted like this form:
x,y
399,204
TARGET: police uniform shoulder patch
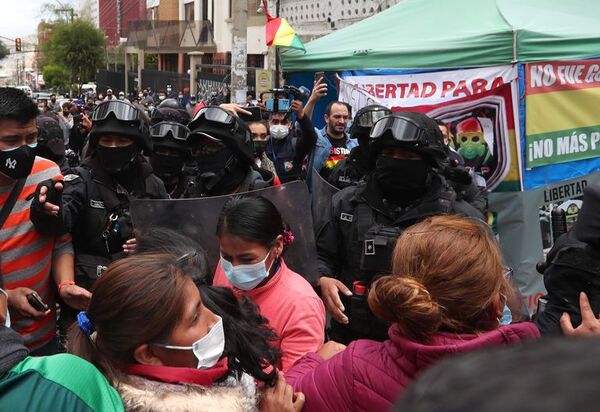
x,y
96,204
70,177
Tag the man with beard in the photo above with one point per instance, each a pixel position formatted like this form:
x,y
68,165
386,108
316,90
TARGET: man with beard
x,y
222,147
333,143
359,231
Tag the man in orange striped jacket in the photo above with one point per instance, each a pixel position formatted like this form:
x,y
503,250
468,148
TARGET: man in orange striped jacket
x,y
27,258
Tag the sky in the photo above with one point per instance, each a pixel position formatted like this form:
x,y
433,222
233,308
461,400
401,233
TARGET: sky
x,y
19,18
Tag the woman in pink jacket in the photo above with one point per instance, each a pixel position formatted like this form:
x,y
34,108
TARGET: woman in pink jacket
x,y
446,295
253,237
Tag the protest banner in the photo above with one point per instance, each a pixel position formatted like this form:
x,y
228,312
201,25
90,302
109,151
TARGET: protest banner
x,y
477,105
563,123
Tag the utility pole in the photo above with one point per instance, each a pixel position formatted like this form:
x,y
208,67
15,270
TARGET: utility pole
x,y
239,52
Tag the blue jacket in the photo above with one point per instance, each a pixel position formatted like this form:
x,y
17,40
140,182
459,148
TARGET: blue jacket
x,y
321,152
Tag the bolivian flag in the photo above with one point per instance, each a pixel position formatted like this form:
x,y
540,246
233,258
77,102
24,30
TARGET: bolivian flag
x,y
280,33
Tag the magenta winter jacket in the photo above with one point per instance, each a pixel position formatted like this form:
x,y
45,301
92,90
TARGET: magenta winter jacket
x,y
370,376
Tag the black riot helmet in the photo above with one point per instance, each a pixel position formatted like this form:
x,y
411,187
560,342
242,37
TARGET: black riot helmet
x,y
51,139
171,103
410,131
170,114
365,119
121,118
220,125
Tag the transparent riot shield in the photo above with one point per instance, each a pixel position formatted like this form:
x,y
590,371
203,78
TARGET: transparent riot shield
x,y
322,193
197,218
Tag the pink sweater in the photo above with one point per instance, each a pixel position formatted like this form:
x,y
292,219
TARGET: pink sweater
x,y
293,310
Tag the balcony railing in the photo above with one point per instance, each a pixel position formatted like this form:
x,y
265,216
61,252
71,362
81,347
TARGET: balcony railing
x,y
171,35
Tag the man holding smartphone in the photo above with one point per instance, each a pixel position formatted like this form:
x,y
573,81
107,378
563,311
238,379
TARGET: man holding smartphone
x,y
26,256
287,146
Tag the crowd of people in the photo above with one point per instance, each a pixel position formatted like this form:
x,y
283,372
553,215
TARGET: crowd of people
x,y
98,314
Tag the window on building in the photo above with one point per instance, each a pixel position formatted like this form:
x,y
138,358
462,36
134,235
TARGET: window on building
x,y
256,60
189,11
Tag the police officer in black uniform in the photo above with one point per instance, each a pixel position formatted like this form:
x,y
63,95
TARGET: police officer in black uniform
x,y
51,144
357,237
169,156
95,200
222,147
353,169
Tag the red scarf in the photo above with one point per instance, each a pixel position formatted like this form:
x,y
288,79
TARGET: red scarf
x,y
171,374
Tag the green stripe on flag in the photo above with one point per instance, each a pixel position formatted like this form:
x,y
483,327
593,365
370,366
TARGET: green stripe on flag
x,y
562,146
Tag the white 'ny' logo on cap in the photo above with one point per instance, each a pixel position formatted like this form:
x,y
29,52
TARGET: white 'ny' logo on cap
x,y
11,163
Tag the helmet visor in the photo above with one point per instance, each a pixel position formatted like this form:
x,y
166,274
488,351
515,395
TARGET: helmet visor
x,y
214,114
121,110
401,129
178,131
368,119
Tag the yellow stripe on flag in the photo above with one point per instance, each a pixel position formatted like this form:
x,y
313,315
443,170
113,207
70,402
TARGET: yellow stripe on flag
x,y
564,110
285,34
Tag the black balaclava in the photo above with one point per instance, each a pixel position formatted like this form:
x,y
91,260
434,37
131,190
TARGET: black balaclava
x,y
117,160
165,166
221,172
402,181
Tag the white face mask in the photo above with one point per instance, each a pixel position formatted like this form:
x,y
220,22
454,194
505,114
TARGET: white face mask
x,y
279,131
161,97
209,349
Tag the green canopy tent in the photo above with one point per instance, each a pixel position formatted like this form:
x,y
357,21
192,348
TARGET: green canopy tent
x,y
427,34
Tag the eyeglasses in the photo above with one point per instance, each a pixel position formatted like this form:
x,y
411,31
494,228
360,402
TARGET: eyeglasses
x,y
121,110
178,131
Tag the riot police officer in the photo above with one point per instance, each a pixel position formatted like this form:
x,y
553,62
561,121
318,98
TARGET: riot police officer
x,y
352,169
169,156
358,234
222,147
51,144
95,200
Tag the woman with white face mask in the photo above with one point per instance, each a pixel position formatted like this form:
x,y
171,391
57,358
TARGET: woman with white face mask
x,y
148,330
253,237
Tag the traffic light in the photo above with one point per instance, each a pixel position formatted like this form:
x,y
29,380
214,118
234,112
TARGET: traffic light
x,y
18,44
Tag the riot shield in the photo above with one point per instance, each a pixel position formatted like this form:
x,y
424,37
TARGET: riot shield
x,y
197,218
322,193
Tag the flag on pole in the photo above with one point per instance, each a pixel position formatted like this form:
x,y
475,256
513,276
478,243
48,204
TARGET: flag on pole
x,y
280,33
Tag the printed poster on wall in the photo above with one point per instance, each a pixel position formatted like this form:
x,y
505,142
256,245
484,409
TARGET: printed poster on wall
x,y
477,105
561,106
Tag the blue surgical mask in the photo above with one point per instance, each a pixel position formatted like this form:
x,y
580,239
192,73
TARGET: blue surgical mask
x,y
506,318
246,277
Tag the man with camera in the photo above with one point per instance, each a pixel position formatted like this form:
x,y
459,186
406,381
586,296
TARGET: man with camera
x,y
287,146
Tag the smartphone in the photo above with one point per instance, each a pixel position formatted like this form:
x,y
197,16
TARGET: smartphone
x,y
254,116
37,302
319,76
54,195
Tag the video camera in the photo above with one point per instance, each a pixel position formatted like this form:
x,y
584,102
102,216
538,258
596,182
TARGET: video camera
x,y
280,99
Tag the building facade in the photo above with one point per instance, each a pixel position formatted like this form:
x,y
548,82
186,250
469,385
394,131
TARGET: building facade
x,y
88,10
114,17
